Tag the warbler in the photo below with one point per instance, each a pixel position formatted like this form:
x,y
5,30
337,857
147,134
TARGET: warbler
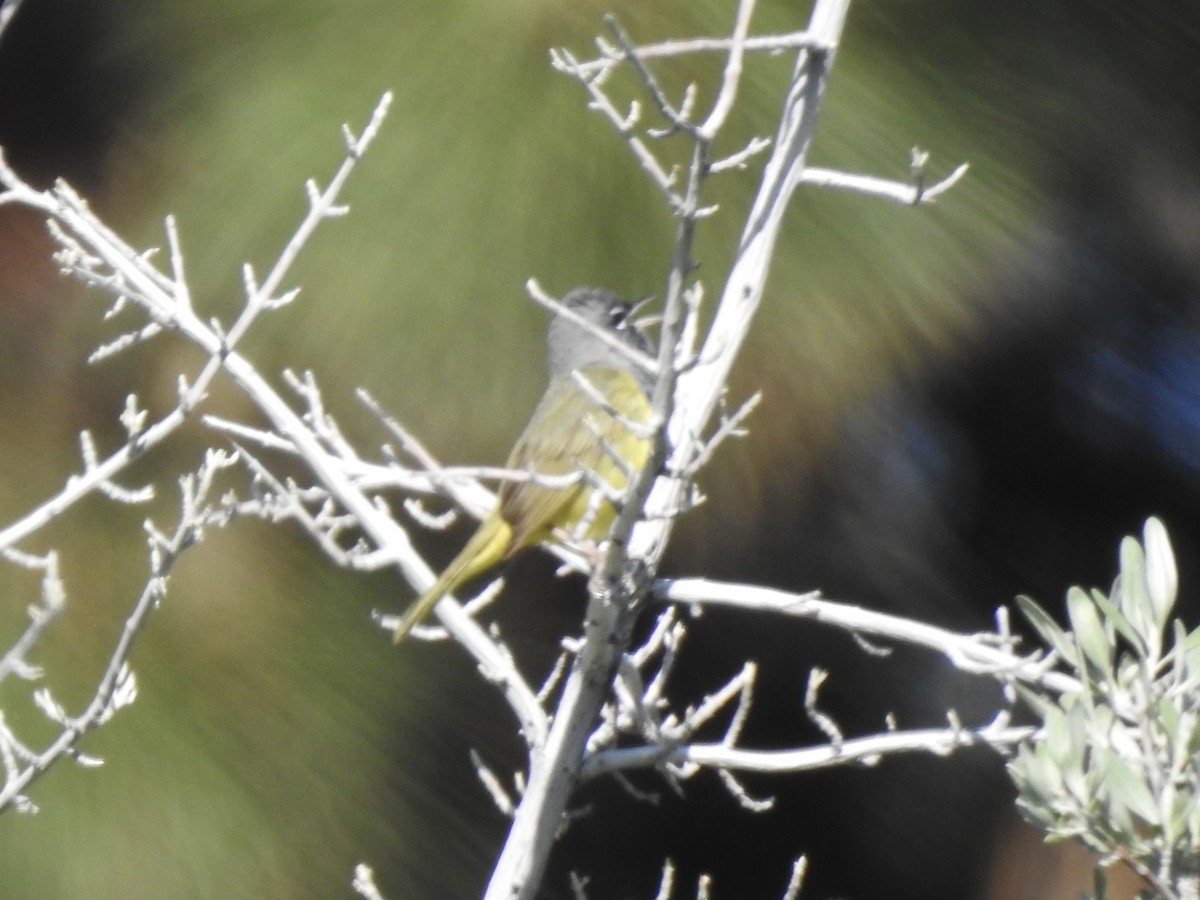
x,y
587,425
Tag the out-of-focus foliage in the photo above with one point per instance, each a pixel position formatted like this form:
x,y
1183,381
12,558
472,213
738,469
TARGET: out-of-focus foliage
x,y
963,402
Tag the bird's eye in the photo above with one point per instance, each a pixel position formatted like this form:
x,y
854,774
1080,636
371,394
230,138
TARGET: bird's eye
x,y
617,317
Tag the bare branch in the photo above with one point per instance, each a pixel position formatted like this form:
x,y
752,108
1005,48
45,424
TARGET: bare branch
x,y
41,615
665,180
799,869
322,205
942,741
116,687
977,654
829,728
909,194
738,792
678,118
492,785
771,44
732,76
741,158
641,528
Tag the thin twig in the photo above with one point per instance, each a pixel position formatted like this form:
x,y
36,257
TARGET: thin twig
x,y
973,653
940,741
116,686
732,76
908,194
770,44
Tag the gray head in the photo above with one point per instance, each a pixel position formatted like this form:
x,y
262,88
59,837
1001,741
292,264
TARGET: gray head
x,y
570,346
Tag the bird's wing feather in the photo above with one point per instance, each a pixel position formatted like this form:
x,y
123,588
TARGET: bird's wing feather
x,y
557,442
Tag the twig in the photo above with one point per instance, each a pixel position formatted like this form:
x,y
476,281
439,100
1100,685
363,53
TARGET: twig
x,y
799,869
770,44
973,653
625,125
732,76
116,686
909,194
97,255
866,750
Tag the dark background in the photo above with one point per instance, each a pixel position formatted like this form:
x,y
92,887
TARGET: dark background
x,y
962,402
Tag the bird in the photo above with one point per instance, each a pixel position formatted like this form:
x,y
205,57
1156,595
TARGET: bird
x,y
590,423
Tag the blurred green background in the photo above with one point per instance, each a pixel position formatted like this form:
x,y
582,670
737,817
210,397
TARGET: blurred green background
x,y
962,402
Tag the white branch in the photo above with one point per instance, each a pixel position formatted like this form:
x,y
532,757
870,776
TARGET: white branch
x,y
732,75
770,44
973,653
117,686
98,256
866,750
910,194
53,599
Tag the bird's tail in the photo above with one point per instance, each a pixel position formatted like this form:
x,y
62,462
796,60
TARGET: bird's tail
x,y
485,549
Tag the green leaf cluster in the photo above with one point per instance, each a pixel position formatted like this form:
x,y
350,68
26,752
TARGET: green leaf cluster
x,y
1116,763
